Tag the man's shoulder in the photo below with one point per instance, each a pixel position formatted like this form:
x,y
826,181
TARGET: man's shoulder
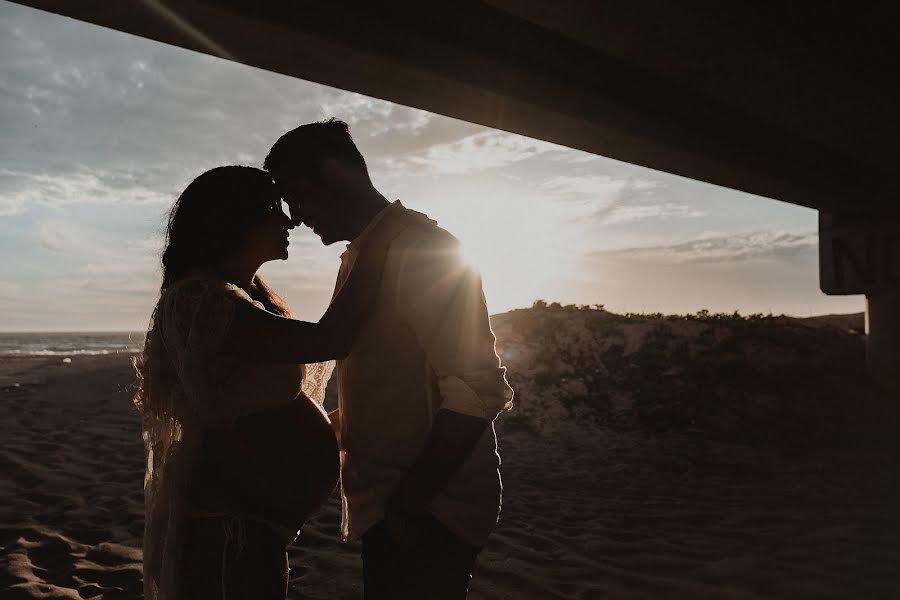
x,y
424,234
428,253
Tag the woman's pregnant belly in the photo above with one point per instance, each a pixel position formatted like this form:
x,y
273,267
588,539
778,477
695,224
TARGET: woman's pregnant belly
x,y
280,464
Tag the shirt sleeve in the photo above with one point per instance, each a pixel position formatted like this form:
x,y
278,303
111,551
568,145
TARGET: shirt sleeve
x,y
442,300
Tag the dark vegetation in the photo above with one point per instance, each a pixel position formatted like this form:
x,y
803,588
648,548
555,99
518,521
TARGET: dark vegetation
x,y
751,379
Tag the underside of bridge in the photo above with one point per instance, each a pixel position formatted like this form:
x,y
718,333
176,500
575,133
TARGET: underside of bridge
x,y
795,101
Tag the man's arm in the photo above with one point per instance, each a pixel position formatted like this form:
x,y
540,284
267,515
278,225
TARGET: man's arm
x,y
442,300
452,437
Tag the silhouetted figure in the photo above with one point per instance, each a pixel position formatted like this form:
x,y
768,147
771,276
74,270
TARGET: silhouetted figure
x,y
238,452
421,386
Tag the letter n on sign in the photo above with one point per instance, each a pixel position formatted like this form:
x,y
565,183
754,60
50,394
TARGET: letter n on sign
x,y
858,255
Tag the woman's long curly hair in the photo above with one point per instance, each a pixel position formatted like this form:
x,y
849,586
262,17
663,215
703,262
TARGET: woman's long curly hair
x,y
208,225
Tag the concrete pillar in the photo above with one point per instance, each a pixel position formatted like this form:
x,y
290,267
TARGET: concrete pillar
x,y
883,337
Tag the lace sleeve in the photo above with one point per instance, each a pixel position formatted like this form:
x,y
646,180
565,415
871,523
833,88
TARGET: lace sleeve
x,y
316,380
194,321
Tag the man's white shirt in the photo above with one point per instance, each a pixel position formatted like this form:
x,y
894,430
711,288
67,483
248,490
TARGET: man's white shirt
x,y
427,345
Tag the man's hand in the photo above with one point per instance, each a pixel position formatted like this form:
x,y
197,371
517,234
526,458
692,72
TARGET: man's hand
x,y
452,438
402,525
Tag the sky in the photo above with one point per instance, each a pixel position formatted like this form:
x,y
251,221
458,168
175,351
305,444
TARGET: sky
x,y
100,131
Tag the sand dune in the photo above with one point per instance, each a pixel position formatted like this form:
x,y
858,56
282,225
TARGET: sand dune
x,y
601,501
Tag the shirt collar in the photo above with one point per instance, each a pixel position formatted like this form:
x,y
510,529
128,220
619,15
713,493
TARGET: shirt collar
x,y
358,240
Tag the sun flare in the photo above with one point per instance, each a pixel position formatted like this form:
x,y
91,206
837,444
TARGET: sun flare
x,y
520,250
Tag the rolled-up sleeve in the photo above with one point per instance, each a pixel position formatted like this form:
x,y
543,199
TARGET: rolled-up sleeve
x,y
442,300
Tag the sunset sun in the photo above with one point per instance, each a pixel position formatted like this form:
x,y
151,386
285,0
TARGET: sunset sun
x,y
521,255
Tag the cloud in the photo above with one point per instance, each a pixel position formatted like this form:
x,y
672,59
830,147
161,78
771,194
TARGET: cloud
x,y
600,188
81,185
627,214
726,248
478,152
10,206
615,199
373,117
60,237
78,241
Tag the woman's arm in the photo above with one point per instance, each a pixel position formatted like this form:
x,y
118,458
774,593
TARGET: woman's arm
x,y
261,336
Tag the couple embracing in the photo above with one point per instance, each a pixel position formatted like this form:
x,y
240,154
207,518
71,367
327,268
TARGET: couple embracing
x,y
240,452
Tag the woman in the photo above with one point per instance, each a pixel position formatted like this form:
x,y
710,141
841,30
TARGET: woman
x,y
238,455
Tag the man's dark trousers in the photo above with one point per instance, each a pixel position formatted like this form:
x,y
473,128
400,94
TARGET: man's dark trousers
x,y
431,563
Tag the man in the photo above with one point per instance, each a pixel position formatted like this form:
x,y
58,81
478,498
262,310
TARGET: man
x,y
418,393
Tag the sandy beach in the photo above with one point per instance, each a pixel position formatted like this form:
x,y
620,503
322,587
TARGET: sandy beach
x,y
592,508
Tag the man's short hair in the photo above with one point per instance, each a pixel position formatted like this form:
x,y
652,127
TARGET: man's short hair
x,y
302,151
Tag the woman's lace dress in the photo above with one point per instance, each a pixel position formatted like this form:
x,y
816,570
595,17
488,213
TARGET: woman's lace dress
x,y
186,386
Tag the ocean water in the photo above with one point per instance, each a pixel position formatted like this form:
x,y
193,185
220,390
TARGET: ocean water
x,y
71,344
